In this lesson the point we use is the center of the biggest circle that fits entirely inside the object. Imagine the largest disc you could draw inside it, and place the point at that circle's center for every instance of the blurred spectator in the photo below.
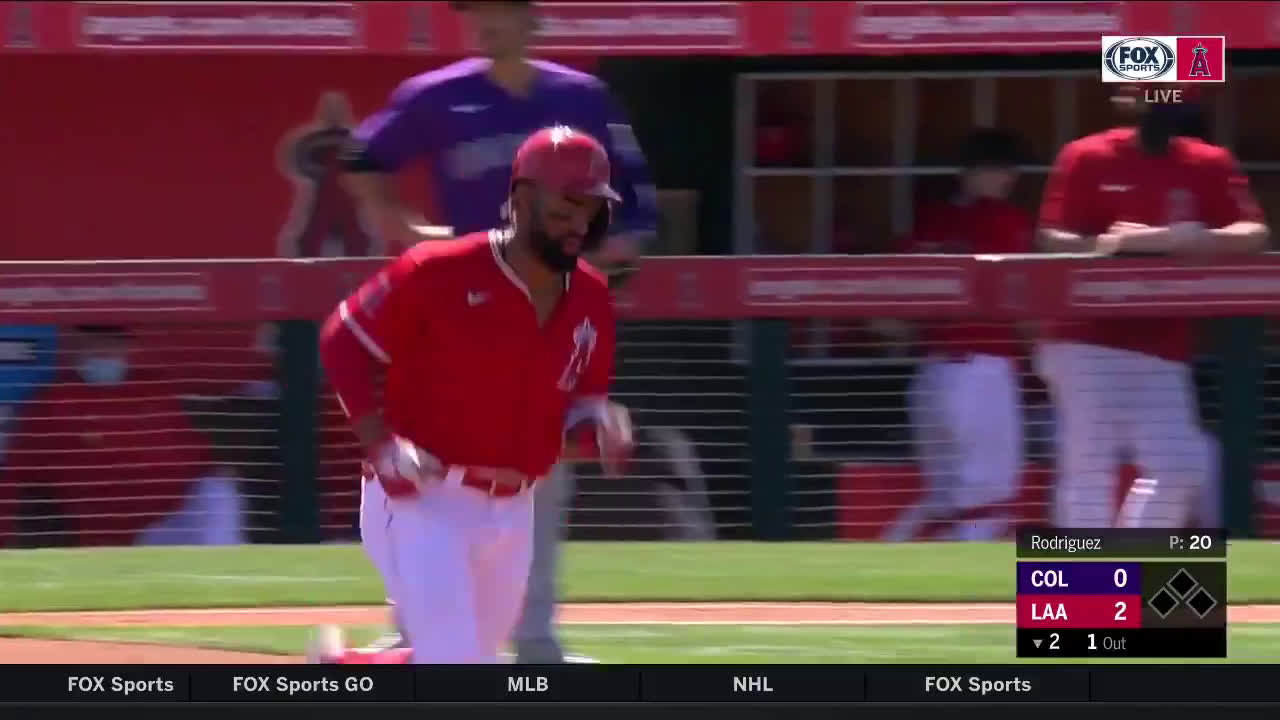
(965, 400)
(107, 456)
(26, 364)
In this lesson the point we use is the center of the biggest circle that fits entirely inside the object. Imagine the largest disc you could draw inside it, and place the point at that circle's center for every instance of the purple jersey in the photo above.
(467, 129)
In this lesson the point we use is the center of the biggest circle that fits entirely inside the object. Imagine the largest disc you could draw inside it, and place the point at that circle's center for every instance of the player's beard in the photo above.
(550, 250)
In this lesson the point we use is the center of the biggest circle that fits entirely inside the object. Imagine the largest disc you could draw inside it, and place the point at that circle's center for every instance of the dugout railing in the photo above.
(742, 427)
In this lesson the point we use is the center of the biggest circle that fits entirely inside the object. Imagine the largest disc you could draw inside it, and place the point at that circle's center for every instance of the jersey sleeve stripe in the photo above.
(365, 339)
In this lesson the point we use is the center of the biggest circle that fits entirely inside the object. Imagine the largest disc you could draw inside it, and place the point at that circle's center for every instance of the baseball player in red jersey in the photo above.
(464, 121)
(965, 398)
(1125, 384)
(496, 346)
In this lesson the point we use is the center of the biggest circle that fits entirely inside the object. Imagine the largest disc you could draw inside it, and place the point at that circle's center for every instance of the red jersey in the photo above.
(107, 461)
(471, 377)
(1106, 178)
(976, 227)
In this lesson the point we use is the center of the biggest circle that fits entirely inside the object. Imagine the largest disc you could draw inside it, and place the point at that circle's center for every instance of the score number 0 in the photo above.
(1121, 580)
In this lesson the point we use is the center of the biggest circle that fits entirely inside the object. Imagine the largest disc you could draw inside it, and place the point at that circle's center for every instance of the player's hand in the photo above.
(1112, 241)
(1130, 237)
(614, 436)
(618, 257)
(606, 435)
(403, 469)
(1107, 244)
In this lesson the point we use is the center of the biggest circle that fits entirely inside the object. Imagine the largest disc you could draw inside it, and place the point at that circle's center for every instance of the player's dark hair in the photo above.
(991, 147)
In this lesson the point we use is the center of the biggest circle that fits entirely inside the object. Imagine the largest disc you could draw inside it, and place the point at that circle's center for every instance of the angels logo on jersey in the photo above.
(584, 341)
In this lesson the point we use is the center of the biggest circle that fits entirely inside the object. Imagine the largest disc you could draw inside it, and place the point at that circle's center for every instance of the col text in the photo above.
(1079, 578)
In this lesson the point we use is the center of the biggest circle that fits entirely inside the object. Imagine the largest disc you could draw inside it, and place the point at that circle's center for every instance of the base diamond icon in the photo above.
(1182, 583)
(1163, 602)
(1202, 603)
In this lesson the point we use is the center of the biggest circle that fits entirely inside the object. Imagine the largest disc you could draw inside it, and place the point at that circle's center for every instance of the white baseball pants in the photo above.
(1110, 401)
(455, 561)
(966, 419)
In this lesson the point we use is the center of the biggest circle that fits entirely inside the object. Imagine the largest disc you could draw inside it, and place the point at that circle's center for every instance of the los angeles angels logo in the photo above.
(584, 341)
(1200, 63)
(325, 221)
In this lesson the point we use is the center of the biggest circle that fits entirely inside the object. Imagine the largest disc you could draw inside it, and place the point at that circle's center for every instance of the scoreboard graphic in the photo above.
(1121, 593)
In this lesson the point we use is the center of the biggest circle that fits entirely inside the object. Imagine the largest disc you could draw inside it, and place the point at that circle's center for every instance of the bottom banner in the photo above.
(673, 684)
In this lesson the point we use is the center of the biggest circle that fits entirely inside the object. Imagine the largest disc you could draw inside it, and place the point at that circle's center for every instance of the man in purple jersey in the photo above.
(465, 120)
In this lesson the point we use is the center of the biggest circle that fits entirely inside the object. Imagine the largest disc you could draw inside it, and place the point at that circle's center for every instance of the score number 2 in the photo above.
(1121, 580)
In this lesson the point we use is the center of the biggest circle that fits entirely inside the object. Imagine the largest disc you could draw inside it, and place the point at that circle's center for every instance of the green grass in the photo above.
(746, 644)
(249, 576)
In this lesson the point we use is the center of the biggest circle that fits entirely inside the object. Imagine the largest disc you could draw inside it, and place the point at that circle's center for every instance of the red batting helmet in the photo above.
(562, 159)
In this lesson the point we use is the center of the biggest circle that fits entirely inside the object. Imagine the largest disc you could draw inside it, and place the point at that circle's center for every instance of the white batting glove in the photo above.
(404, 470)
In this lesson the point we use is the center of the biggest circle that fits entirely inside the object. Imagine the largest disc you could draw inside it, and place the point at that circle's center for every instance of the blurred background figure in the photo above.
(965, 399)
(27, 357)
(1209, 512)
(1125, 384)
(669, 457)
(105, 455)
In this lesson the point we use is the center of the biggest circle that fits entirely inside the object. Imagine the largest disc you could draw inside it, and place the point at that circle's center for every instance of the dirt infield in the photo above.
(28, 651)
(22, 651)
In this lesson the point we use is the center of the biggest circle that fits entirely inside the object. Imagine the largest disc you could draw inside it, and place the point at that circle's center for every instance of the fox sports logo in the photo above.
(1138, 58)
